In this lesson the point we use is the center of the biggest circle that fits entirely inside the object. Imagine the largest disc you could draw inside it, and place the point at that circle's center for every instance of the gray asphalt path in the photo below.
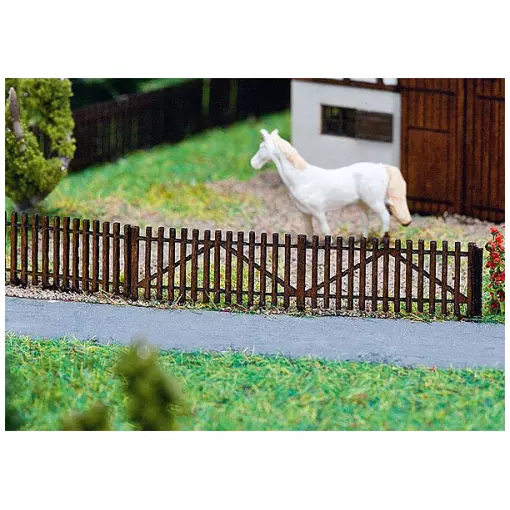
(400, 342)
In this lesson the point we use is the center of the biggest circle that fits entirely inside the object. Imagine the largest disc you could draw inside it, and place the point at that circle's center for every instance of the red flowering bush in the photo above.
(496, 266)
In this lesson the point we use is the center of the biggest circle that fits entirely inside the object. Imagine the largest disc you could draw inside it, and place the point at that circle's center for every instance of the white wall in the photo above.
(331, 151)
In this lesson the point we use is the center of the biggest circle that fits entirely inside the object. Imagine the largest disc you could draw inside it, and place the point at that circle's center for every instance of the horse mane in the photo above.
(290, 153)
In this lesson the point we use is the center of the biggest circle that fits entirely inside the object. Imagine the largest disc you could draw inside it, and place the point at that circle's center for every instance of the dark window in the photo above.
(338, 121)
(354, 123)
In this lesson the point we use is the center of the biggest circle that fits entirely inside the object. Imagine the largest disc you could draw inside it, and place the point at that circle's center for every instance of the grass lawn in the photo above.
(168, 179)
(245, 392)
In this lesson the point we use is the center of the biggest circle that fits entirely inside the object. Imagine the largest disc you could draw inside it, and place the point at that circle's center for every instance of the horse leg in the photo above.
(323, 223)
(308, 224)
(364, 219)
(380, 209)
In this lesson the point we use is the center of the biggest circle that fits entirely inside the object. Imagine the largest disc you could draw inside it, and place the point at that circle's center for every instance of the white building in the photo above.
(336, 122)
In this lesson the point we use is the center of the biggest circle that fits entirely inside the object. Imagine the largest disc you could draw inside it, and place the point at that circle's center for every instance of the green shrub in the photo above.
(95, 418)
(36, 106)
(153, 399)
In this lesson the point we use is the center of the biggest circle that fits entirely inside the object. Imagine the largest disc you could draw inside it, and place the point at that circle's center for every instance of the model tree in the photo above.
(39, 106)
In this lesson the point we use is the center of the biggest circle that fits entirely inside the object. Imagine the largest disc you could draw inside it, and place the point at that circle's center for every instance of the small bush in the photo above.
(39, 106)
(496, 266)
(153, 398)
(96, 418)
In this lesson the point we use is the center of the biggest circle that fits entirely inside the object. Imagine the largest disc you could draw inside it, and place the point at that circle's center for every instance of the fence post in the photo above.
(475, 263)
(301, 272)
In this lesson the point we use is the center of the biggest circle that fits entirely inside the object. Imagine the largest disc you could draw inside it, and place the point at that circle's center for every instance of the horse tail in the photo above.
(396, 195)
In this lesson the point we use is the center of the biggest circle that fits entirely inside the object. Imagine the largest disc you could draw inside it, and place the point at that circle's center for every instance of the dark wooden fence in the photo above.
(107, 131)
(244, 270)
(453, 146)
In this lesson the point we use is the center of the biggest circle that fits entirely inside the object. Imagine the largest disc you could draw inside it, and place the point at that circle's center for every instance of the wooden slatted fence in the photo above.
(109, 130)
(232, 269)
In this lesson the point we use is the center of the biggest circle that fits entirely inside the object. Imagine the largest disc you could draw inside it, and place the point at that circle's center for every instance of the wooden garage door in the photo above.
(485, 149)
(432, 143)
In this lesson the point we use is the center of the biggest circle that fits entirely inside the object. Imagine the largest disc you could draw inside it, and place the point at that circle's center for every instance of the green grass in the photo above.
(168, 179)
(235, 391)
(142, 85)
(160, 83)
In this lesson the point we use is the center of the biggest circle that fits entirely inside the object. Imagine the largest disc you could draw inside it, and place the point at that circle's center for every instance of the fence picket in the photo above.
(375, 263)
(45, 249)
(313, 288)
(159, 265)
(206, 285)
(135, 262)
(301, 272)
(183, 251)
(127, 261)
(228, 268)
(171, 265)
(396, 281)
(95, 256)
(217, 268)
(263, 262)
(286, 278)
(339, 257)
(65, 252)
(421, 260)
(386, 273)
(409, 275)
(251, 268)
(444, 276)
(327, 271)
(116, 258)
(239, 268)
(194, 265)
(274, 269)
(350, 274)
(362, 272)
(456, 297)
(35, 248)
(84, 256)
(24, 250)
(475, 275)
(75, 282)
(148, 258)
(14, 247)
(106, 257)
(432, 278)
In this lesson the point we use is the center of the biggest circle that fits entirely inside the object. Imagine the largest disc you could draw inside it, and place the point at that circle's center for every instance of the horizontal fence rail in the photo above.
(226, 268)
(107, 131)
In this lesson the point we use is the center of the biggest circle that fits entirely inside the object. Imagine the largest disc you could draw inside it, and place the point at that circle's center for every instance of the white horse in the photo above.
(315, 190)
